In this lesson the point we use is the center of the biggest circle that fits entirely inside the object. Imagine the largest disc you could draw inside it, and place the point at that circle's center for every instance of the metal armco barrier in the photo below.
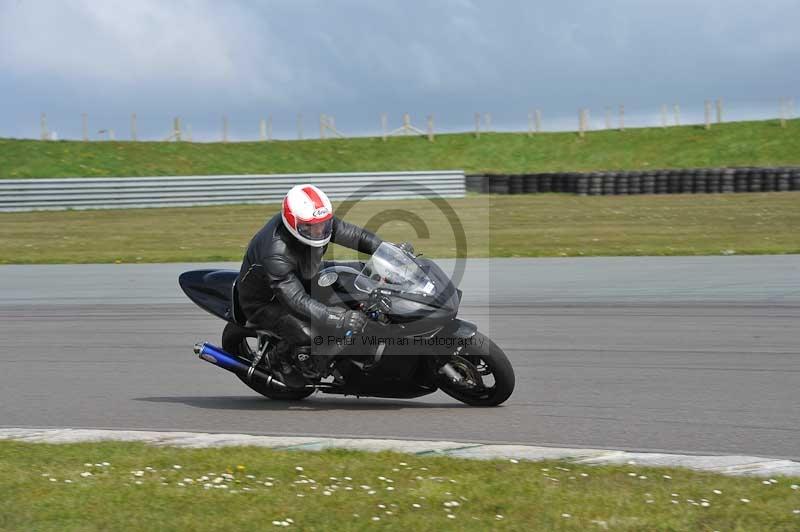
(674, 181)
(129, 192)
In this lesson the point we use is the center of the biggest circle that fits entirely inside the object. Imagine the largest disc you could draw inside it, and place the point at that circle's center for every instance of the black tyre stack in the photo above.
(595, 184)
(516, 184)
(608, 183)
(742, 177)
(582, 184)
(770, 180)
(531, 183)
(699, 182)
(728, 180)
(498, 184)
(622, 186)
(754, 180)
(636, 183)
(784, 180)
(795, 178)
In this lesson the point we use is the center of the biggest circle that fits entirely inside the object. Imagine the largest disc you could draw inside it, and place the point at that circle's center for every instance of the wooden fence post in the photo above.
(262, 130)
(383, 126)
(85, 126)
(719, 110)
(176, 128)
(708, 113)
(430, 128)
(477, 125)
(677, 112)
(783, 112)
(134, 136)
(622, 117)
(224, 128)
(608, 117)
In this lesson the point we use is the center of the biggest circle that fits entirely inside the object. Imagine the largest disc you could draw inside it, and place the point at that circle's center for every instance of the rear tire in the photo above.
(234, 342)
(485, 350)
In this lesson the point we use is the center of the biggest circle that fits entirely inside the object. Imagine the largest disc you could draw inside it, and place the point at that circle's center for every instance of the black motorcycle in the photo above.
(413, 343)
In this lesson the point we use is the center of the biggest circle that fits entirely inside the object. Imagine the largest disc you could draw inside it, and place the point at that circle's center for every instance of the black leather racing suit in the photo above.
(276, 274)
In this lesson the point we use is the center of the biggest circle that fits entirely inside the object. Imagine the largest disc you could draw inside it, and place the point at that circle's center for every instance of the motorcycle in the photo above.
(412, 346)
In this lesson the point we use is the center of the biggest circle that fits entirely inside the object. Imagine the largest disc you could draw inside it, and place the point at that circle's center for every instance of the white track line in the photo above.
(726, 465)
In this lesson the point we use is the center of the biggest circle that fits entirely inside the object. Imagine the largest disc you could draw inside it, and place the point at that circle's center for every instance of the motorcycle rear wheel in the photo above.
(483, 353)
(234, 341)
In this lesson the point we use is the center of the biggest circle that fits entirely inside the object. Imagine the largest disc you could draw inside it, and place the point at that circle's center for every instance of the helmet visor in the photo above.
(316, 231)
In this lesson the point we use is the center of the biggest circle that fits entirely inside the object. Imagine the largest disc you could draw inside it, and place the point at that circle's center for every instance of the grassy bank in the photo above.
(125, 486)
(547, 225)
(733, 144)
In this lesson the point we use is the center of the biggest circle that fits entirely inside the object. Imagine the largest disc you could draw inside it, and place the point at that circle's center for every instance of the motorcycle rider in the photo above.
(276, 275)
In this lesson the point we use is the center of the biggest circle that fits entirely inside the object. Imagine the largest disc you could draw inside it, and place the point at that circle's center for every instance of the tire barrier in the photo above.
(180, 191)
(623, 183)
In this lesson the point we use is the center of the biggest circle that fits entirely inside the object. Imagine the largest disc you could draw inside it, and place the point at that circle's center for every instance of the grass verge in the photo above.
(132, 486)
(760, 143)
(546, 225)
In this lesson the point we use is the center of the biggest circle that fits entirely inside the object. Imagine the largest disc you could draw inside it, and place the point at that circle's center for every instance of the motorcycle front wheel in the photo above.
(486, 375)
(235, 342)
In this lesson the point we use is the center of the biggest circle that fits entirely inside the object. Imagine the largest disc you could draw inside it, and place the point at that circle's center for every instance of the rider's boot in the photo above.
(289, 375)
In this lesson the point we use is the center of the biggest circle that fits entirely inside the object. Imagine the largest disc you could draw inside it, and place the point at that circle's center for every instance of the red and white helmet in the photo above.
(308, 215)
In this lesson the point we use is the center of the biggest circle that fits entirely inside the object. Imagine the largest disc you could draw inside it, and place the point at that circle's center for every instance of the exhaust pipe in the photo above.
(218, 357)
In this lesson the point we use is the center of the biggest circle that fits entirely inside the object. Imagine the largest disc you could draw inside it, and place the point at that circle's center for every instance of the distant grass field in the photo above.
(132, 487)
(541, 225)
(732, 144)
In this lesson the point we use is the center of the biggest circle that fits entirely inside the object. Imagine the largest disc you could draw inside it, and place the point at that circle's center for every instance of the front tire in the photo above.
(485, 358)
(234, 342)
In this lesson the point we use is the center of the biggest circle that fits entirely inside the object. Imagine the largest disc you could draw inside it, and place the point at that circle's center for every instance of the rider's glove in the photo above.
(349, 320)
(352, 320)
(407, 247)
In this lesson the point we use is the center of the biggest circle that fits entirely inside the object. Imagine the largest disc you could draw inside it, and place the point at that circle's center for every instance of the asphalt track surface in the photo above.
(679, 354)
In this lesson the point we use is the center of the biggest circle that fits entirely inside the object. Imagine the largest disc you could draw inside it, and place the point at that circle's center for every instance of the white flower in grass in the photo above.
(745, 500)
(795, 487)
(389, 488)
(667, 477)
(371, 492)
(53, 480)
(514, 461)
(138, 482)
(348, 478)
(98, 465)
(218, 480)
(403, 464)
(87, 465)
(298, 468)
(348, 488)
(584, 475)
(276, 523)
(766, 482)
(451, 516)
(326, 492)
(138, 473)
(566, 516)
(300, 495)
(631, 474)
(415, 505)
(642, 477)
(773, 481)
(499, 517)
(796, 512)
(376, 518)
(105, 464)
(718, 492)
(387, 512)
(181, 484)
(705, 504)
(289, 520)
(674, 495)
(673, 501)
(86, 474)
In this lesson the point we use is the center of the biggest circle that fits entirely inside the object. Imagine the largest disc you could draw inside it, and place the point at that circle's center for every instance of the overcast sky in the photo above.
(357, 59)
